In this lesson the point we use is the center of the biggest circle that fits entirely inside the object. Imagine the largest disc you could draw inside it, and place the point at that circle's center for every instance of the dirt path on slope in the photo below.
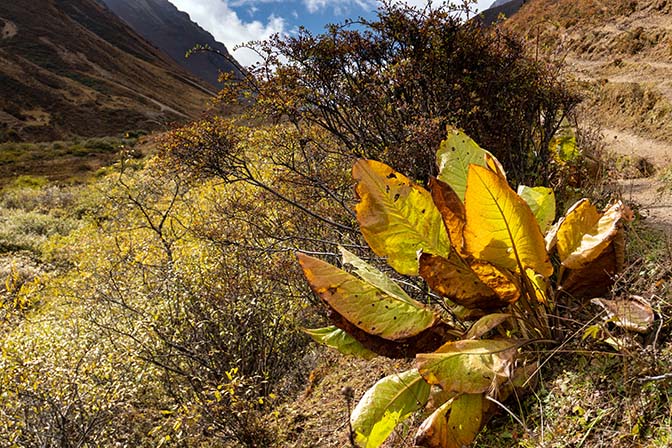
(647, 194)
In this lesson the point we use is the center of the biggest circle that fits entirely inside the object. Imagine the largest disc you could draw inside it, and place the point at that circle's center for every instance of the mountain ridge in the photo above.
(172, 31)
(84, 72)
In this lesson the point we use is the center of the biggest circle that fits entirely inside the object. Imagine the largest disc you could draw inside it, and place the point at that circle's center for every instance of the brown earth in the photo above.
(86, 73)
(620, 54)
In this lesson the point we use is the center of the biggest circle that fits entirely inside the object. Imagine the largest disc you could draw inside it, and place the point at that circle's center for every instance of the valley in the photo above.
(184, 268)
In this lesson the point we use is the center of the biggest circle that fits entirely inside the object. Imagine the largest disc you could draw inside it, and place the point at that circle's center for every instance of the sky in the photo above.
(234, 22)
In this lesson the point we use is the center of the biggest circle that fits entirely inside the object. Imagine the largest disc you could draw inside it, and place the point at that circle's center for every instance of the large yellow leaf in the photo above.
(585, 234)
(397, 217)
(455, 424)
(468, 366)
(388, 402)
(500, 227)
(579, 220)
(479, 286)
(454, 156)
(364, 305)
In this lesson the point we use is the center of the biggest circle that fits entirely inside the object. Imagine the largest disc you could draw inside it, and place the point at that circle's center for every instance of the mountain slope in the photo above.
(173, 32)
(620, 51)
(499, 3)
(500, 9)
(71, 67)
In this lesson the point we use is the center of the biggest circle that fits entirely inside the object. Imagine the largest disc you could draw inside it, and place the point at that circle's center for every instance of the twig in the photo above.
(662, 377)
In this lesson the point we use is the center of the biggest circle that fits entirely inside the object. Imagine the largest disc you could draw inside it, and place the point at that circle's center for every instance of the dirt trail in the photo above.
(649, 194)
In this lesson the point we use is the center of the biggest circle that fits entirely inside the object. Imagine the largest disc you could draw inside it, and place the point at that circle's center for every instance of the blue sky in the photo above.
(234, 22)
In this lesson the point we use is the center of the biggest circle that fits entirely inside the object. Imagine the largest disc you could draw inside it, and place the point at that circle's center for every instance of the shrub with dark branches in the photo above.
(387, 88)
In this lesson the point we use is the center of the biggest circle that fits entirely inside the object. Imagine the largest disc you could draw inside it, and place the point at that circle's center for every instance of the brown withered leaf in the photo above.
(479, 285)
(634, 314)
(452, 211)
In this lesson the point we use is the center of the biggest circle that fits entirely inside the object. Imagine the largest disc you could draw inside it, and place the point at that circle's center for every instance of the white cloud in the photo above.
(338, 6)
(223, 23)
(218, 17)
(343, 6)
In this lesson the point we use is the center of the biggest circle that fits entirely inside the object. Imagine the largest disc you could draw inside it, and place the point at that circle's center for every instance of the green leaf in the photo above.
(542, 203)
(363, 304)
(388, 402)
(374, 277)
(338, 339)
(501, 228)
(397, 217)
(453, 425)
(563, 144)
(468, 366)
(455, 155)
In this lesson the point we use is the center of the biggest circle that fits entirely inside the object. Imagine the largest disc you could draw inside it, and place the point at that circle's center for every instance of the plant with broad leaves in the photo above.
(481, 248)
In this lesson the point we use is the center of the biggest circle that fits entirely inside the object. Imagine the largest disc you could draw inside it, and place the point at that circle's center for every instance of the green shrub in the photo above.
(27, 181)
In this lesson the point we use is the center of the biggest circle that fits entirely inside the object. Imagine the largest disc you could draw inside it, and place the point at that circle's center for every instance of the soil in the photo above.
(649, 195)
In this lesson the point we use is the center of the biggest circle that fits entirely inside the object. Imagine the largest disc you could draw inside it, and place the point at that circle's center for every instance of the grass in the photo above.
(61, 160)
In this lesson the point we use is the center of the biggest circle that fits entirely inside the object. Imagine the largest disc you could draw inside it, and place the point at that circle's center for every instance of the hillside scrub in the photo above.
(173, 311)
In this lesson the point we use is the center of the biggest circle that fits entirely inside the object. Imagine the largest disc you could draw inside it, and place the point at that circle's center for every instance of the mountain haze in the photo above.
(71, 67)
(173, 32)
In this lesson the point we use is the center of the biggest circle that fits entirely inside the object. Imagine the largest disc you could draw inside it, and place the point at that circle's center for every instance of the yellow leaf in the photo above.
(540, 285)
(455, 424)
(579, 220)
(364, 305)
(500, 227)
(585, 234)
(397, 217)
(468, 366)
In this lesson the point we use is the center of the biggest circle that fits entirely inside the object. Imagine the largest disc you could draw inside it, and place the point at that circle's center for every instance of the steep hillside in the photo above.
(501, 10)
(84, 72)
(499, 3)
(620, 50)
(173, 32)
